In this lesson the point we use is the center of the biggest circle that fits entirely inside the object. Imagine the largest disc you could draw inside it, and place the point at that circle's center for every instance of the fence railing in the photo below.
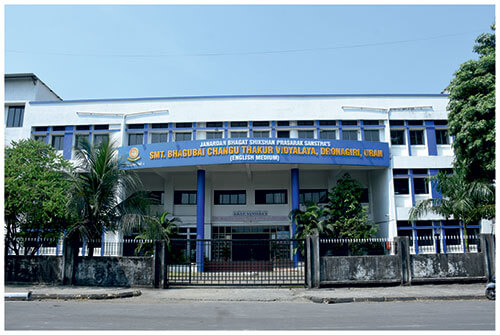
(447, 244)
(355, 247)
(184, 250)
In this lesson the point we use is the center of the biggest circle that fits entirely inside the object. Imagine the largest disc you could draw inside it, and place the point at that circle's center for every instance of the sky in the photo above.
(133, 51)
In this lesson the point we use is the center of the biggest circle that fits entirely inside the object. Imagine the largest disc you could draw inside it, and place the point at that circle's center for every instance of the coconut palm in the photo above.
(461, 200)
(156, 228)
(103, 195)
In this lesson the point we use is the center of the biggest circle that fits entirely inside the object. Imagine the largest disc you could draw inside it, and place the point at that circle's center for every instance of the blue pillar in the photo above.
(68, 142)
(431, 138)
(295, 205)
(200, 219)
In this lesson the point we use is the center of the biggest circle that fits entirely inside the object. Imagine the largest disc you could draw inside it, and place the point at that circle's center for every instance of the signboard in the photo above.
(255, 150)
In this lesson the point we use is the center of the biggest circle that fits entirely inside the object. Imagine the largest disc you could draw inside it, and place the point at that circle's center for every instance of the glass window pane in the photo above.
(328, 134)
(98, 139)
(238, 134)
(214, 134)
(372, 135)
(397, 137)
(159, 137)
(306, 133)
(263, 134)
(421, 186)
(351, 135)
(401, 186)
(417, 137)
(283, 134)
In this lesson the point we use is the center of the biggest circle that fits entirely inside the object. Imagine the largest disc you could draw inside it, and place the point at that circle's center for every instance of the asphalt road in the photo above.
(123, 315)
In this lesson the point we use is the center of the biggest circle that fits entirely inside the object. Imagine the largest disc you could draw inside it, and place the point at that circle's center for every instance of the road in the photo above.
(123, 315)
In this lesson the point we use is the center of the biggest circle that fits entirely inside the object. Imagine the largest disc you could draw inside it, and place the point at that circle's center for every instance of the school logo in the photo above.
(133, 155)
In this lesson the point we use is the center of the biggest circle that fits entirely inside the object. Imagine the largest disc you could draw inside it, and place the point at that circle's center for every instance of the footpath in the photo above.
(206, 294)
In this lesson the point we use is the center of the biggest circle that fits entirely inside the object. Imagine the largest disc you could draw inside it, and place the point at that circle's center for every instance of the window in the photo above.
(401, 186)
(417, 137)
(159, 125)
(283, 134)
(157, 197)
(420, 171)
(214, 124)
(440, 122)
(183, 125)
(396, 123)
(182, 137)
(260, 133)
(40, 138)
(135, 126)
(350, 123)
(59, 128)
(315, 196)
(372, 135)
(79, 139)
(415, 123)
(305, 123)
(327, 123)
(283, 123)
(214, 134)
(159, 137)
(135, 139)
(101, 127)
(400, 171)
(328, 134)
(98, 139)
(306, 133)
(421, 185)
(371, 122)
(230, 197)
(15, 116)
(442, 136)
(239, 124)
(58, 142)
(350, 135)
(261, 123)
(184, 197)
(270, 197)
(398, 137)
(237, 134)
(82, 127)
(364, 196)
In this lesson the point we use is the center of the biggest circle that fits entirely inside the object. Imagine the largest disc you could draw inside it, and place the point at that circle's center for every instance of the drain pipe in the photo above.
(18, 296)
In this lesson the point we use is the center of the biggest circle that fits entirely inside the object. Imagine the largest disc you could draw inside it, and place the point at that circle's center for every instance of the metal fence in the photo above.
(244, 262)
(355, 247)
(444, 244)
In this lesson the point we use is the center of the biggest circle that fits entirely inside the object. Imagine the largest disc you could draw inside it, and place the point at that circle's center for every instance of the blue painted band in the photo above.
(256, 150)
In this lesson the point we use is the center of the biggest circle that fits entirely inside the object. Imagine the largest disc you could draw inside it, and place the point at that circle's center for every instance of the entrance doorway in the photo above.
(250, 247)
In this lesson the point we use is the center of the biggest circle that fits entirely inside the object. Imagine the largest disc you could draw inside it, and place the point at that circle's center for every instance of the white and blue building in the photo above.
(235, 166)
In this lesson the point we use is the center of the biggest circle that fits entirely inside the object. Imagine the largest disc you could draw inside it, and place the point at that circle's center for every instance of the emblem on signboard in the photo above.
(133, 155)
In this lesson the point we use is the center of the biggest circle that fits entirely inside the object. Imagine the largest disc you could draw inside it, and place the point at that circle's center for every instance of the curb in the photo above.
(101, 296)
(392, 299)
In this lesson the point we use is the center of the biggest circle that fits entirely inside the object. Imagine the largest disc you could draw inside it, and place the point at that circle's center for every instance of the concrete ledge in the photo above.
(392, 299)
(101, 296)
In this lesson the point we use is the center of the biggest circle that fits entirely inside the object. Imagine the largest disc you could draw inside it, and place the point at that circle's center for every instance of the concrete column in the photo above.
(403, 249)
(295, 205)
(200, 219)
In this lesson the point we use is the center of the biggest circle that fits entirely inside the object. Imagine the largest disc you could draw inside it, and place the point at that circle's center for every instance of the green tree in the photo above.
(156, 228)
(103, 195)
(461, 199)
(342, 216)
(472, 112)
(36, 192)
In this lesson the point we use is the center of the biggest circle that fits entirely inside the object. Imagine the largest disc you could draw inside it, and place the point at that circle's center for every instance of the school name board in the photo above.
(254, 150)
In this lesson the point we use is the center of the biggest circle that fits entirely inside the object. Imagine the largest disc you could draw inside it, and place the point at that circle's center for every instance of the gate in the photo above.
(244, 262)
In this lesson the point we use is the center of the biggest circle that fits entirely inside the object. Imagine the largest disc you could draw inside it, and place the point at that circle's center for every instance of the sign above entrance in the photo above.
(255, 150)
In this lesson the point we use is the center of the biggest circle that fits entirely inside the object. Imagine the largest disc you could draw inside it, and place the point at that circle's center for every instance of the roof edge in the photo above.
(243, 96)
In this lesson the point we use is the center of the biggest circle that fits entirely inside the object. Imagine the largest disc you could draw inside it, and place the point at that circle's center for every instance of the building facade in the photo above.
(233, 167)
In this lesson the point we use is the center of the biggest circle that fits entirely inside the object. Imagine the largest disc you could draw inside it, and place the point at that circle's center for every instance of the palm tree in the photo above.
(156, 228)
(461, 200)
(103, 195)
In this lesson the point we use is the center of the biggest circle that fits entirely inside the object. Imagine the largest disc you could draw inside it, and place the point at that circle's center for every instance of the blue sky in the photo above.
(128, 51)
